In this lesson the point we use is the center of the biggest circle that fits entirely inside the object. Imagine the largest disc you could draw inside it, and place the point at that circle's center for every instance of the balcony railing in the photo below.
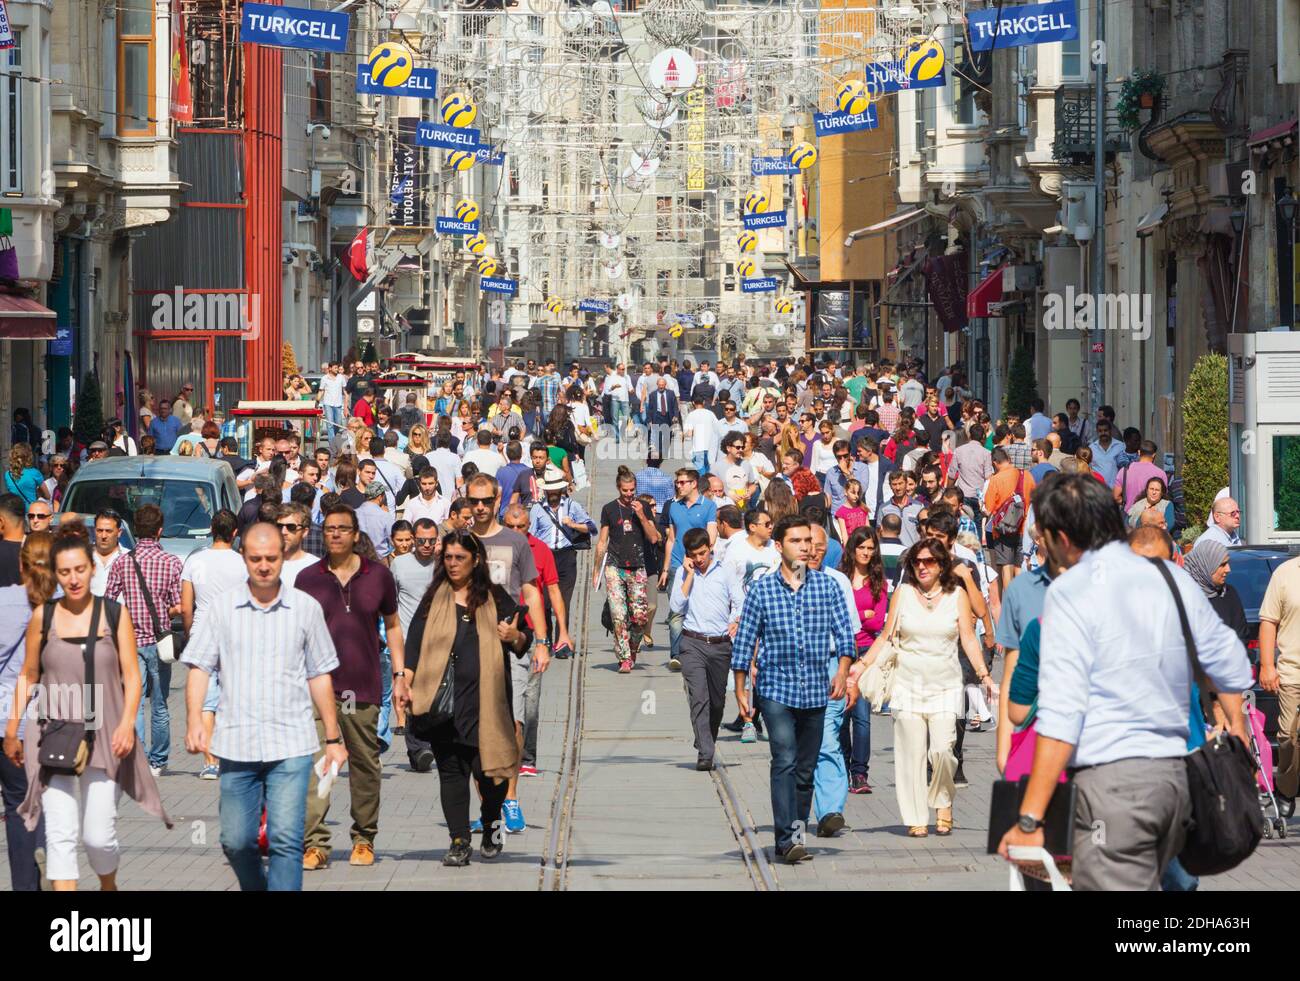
(1076, 128)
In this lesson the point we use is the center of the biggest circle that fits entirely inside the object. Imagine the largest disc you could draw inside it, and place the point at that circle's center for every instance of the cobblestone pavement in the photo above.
(643, 817)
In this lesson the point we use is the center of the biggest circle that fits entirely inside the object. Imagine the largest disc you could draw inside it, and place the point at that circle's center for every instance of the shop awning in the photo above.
(893, 223)
(22, 319)
(988, 291)
(1280, 131)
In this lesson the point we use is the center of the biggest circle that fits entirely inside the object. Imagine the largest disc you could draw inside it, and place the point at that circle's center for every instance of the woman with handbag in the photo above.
(461, 638)
(917, 652)
(80, 643)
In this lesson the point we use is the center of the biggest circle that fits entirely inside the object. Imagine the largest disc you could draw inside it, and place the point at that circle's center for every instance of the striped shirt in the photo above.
(794, 630)
(266, 656)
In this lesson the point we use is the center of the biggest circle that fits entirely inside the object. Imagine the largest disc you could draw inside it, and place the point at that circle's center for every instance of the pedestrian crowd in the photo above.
(845, 541)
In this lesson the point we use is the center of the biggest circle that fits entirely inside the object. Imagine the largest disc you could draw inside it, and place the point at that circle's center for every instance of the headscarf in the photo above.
(1203, 561)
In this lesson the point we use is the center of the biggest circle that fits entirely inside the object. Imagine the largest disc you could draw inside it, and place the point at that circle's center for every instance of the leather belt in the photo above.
(705, 637)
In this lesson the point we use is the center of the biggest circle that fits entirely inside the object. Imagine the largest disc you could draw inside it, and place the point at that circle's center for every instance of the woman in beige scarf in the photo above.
(471, 626)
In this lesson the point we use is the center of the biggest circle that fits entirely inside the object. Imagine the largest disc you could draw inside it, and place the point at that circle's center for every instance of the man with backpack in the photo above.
(1005, 502)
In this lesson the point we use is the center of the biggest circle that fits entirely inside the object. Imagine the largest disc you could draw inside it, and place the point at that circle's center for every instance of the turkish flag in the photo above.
(356, 259)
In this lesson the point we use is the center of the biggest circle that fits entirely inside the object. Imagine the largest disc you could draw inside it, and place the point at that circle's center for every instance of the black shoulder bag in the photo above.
(65, 745)
(1226, 823)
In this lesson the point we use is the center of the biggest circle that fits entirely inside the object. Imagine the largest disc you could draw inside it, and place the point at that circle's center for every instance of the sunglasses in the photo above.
(926, 560)
(290, 526)
(485, 501)
(841, 456)
(682, 483)
(38, 515)
(427, 541)
(339, 530)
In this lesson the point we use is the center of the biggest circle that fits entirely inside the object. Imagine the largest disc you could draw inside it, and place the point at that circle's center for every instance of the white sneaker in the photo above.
(156, 770)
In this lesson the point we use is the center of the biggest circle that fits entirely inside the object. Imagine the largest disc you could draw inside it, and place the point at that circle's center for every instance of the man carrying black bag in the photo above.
(1115, 692)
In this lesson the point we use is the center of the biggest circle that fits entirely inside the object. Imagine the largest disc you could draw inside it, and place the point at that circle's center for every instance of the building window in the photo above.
(1071, 59)
(11, 117)
(135, 74)
(963, 90)
(729, 281)
(320, 87)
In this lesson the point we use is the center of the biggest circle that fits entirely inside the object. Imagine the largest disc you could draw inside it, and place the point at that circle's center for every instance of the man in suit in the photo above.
(661, 412)
(875, 482)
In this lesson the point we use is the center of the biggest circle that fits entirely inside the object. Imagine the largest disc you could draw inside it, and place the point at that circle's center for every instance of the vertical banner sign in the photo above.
(406, 189)
(294, 27)
(1017, 27)
(6, 33)
(830, 325)
(945, 281)
(695, 131)
(182, 109)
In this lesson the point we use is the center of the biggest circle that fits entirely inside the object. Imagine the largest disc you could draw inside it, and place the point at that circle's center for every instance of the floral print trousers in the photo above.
(628, 608)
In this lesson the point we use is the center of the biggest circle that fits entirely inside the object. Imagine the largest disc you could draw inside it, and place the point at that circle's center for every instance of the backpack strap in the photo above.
(47, 618)
(1189, 641)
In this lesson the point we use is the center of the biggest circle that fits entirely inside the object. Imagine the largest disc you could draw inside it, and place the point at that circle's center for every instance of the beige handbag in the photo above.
(876, 684)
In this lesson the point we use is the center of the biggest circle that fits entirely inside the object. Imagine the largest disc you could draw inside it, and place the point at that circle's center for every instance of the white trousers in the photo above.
(93, 822)
(910, 731)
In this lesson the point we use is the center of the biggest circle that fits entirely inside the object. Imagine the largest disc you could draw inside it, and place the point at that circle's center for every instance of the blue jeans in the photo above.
(157, 679)
(333, 419)
(24, 876)
(795, 736)
(831, 779)
(700, 461)
(855, 738)
(386, 702)
(1178, 879)
(618, 412)
(281, 787)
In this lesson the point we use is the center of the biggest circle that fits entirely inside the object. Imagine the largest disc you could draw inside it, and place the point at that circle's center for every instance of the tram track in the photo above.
(555, 858)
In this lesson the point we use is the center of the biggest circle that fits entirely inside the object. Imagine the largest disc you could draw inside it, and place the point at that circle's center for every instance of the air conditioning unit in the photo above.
(1017, 279)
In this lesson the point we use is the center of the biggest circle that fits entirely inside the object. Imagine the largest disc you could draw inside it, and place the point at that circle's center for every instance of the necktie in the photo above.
(663, 403)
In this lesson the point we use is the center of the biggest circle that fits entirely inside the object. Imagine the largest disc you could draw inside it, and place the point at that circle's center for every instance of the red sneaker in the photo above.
(624, 667)
(525, 770)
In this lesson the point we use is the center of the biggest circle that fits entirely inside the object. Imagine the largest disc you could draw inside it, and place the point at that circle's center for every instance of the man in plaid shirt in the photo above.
(792, 619)
(161, 572)
(548, 385)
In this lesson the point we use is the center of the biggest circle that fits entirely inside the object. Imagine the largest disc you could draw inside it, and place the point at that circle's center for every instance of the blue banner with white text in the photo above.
(758, 284)
(835, 123)
(423, 84)
(1015, 27)
(294, 27)
(770, 219)
(447, 137)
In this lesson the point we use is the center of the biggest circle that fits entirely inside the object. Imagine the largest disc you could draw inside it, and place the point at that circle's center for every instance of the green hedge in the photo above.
(1022, 387)
(88, 423)
(1205, 434)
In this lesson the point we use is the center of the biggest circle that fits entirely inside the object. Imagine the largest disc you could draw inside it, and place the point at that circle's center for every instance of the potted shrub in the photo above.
(1139, 92)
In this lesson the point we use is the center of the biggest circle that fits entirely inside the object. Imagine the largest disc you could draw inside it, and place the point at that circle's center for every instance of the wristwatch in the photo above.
(1028, 823)
(401, 674)
(334, 742)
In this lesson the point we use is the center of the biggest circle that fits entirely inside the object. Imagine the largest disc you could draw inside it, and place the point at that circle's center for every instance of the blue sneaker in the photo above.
(210, 771)
(476, 825)
(514, 815)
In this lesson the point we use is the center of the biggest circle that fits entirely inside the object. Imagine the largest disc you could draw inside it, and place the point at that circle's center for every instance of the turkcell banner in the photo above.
(835, 123)
(447, 137)
(1015, 27)
(406, 208)
(423, 84)
(884, 77)
(764, 166)
(770, 219)
(759, 284)
(491, 284)
(685, 318)
(454, 226)
(486, 155)
(594, 306)
(294, 27)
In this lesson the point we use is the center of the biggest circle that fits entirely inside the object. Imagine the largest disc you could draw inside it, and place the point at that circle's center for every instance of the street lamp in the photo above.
(1287, 206)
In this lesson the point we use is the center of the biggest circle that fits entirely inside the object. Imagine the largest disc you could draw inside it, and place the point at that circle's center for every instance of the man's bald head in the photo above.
(516, 518)
(263, 549)
(1055, 439)
(1151, 542)
(1227, 514)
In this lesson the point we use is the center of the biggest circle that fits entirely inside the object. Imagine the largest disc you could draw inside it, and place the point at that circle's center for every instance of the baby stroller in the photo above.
(1263, 752)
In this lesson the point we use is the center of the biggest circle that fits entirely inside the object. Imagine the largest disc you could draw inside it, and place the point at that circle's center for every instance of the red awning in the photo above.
(22, 319)
(1272, 133)
(988, 291)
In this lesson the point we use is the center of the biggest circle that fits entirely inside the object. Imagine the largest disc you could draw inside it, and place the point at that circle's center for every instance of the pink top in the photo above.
(853, 518)
(873, 611)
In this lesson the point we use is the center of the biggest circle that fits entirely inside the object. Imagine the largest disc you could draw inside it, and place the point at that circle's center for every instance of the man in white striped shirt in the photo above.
(275, 656)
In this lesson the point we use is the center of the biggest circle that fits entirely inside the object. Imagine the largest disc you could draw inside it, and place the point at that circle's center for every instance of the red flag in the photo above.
(182, 109)
(356, 260)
